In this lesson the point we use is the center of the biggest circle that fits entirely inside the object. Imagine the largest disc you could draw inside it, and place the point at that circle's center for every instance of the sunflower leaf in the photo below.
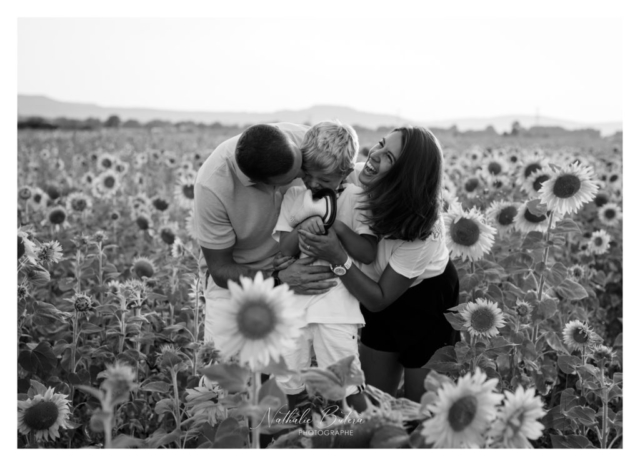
(231, 377)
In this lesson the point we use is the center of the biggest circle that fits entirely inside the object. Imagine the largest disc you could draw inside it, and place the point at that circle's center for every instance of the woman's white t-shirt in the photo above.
(420, 258)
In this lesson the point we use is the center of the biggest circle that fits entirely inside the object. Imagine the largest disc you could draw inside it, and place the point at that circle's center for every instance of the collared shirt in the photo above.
(231, 210)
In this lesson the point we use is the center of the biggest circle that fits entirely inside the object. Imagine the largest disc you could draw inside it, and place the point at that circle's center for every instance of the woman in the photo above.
(404, 294)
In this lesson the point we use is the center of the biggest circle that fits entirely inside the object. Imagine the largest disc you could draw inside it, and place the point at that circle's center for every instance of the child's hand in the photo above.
(313, 225)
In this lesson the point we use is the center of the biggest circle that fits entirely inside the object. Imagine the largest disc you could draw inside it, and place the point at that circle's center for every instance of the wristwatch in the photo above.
(340, 270)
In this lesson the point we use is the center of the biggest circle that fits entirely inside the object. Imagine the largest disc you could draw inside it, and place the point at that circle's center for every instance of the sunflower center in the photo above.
(41, 416)
(160, 204)
(143, 223)
(531, 168)
(494, 168)
(531, 218)
(506, 215)
(610, 214)
(482, 320)
(79, 205)
(462, 412)
(106, 163)
(471, 184)
(537, 184)
(143, 269)
(465, 232)
(168, 236)
(601, 199)
(37, 198)
(566, 186)
(57, 216)
(82, 304)
(613, 178)
(577, 272)
(598, 241)
(109, 182)
(187, 190)
(581, 336)
(256, 320)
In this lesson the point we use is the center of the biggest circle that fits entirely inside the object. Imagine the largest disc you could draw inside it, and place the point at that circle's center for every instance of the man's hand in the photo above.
(281, 262)
(312, 225)
(307, 279)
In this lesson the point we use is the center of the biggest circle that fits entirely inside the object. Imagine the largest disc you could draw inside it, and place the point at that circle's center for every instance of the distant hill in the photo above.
(42, 106)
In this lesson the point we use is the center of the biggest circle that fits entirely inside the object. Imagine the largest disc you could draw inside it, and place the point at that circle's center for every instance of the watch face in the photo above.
(339, 270)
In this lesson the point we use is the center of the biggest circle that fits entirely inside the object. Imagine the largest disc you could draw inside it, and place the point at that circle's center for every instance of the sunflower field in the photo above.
(111, 306)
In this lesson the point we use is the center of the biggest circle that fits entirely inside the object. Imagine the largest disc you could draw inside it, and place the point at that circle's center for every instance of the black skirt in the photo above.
(414, 325)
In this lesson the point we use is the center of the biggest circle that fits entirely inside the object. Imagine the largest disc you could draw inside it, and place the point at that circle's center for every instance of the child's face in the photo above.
(316, 180)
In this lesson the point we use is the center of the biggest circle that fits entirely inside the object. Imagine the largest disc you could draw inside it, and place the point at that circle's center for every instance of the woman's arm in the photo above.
(361, 247)
(375, 296)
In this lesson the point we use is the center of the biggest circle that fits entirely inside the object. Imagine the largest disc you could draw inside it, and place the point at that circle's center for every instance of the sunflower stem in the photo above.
(473, 272)
(176, 400)
(605, 407)
(99, 267)
(255, 388)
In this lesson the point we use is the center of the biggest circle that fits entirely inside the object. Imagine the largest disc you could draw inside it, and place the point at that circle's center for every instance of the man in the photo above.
(238, 193)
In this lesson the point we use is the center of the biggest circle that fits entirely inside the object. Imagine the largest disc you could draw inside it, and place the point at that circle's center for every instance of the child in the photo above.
(332, 318)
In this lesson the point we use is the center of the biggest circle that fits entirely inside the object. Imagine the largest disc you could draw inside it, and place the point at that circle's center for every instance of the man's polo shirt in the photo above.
(230, 210)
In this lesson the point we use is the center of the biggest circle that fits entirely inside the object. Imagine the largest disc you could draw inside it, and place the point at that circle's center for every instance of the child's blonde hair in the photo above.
(330, 147)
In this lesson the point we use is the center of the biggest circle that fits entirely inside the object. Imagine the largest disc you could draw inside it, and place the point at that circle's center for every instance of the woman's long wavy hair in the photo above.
(404, 203)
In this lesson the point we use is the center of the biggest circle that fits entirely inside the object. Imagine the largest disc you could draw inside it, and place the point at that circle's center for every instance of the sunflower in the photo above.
(168, 233)
(494, 166)
(569, 189)
(184, 191)
(143, 267)
(88, 178)
(610, 214)
(527, 221)
(140, 202)
(601, 199)
(177, 248)
(119, 380)
(599, 243)
(577, 335)
(533, 183)
(25, 193)
(577, 272)
(531, 164)
(502, 214)
(462, 412)
(114, 216)
(44, 415)
(499, 182)
(448, 187)
(482, 318)
(602, 354)
(186, 165)
(50, 252)
(207, 354)
(26, 247)
(140, 160)
(142, 219)
(58, 165)
(466, 233)
(57, 216)
(472, 186)
(523, 310)
(24, 290)
(160, 203)
(517, 423)
(38, 199)
(99, 236)
(121, 167)
(258, 322)
(79, 202)
(82, 303)
(106, 161)
(106, 184)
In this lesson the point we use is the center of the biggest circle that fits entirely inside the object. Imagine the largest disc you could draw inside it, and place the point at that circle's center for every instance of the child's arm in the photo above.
(289, 239)
(362, 248)
(289, 242)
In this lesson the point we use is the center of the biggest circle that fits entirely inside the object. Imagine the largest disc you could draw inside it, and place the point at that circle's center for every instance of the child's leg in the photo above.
(333, 342)
(297, 358)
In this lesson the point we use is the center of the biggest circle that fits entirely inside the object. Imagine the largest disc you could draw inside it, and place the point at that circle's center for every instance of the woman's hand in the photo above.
(325, 247)
(281, 261)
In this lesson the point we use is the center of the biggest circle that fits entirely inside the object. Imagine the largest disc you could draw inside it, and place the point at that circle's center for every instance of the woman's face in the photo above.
(382, 157)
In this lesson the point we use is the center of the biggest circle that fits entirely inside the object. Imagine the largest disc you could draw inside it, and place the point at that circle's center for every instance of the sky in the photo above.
(419, 69)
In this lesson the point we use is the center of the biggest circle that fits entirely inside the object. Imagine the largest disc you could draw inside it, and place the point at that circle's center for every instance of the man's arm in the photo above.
(223, 268)
(362, 248)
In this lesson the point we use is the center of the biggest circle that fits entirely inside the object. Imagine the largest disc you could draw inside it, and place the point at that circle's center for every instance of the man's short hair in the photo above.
(264, 152)
(330, 147)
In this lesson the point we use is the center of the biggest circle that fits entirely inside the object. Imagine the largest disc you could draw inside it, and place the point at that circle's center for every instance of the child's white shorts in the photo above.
(330, 342)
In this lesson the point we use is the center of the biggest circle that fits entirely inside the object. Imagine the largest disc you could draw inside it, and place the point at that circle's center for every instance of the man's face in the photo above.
(295, 172)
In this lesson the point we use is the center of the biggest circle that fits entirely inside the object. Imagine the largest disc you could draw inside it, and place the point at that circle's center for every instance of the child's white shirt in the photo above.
(336, 306)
